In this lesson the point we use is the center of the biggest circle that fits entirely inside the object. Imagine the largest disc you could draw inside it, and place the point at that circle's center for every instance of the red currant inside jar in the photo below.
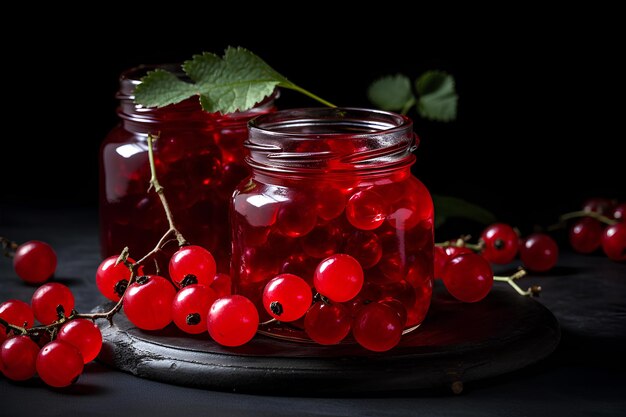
(199, 162)
(330, 186)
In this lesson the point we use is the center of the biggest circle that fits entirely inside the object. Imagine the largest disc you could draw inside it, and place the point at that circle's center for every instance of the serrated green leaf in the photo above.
(446, 207)
(235, 82)
(160, 88)
(391, 93)
(437, 98)
(238, 81)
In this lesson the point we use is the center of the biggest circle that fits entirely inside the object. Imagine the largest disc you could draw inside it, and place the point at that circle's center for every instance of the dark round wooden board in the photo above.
(456, 344)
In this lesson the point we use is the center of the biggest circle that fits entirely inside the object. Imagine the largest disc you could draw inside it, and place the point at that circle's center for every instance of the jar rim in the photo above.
(330, 140)
(380, 122)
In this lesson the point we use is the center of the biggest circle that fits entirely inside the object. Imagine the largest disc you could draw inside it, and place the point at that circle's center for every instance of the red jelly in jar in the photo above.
(199, 162)
(334, 184)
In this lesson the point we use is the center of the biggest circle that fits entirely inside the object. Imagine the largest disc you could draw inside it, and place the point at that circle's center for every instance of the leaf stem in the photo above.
(407, 106)
(307, 93)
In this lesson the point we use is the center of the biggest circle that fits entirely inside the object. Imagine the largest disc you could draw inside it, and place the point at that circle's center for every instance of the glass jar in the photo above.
(199, 161)
(328, 181)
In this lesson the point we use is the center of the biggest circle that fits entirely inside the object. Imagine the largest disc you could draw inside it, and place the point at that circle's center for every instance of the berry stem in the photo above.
(8, 246)
(462, 242)
(154, 183)
(531, 292)
(123, 258)
(580, 213)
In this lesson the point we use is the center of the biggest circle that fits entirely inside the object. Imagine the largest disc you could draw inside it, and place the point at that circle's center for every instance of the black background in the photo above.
(539, 115)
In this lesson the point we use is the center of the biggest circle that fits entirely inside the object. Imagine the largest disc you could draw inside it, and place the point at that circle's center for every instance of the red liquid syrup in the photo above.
(302, 205)
(199, 162)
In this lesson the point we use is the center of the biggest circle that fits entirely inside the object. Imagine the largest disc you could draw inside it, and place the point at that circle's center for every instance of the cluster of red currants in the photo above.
(58, 348)
(200, 301)
(466, 270)
(601, 223)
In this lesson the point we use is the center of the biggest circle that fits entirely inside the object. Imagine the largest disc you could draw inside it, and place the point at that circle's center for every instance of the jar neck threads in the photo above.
(330, 141)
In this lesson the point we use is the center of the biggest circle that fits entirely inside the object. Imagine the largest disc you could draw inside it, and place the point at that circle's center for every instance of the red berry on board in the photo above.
(51, 299)
(15, 312)
(619, 213)
(287, 297)
(614, 242)
(468, 277)
(339, 277)
(59, 364)
(84, 335)
(327, 324)
(599, 205)
(148, 302)
(539, 252)
(18, 356)
(191, 306)
(377, 327)
(232, 320)
(34, 262)
(585, 235)
(112, 279)
(192, 261)
(501, 243)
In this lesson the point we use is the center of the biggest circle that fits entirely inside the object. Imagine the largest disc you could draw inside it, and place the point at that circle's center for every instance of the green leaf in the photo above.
(238, 81)
(235, 82)
(446, 207)
(437, 96)
(391, 93)
(160, 88)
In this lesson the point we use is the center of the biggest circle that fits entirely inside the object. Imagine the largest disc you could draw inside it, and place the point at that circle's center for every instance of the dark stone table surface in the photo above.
(584, 376)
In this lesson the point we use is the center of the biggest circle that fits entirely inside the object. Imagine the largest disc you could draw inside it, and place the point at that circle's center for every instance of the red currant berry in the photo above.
(191, 306)
(148, 302)
(366, 210)
(614, 242)
(599, 205)
(539, 252)
(83, 335)
(287, 297)
(377, 327)
(59, 364)
(339, 277)
(192, 260)
(322, 241)
(398, 307)
(18, 355)
(112, 279)
(331, 202)
(222, 285)
(15, 312)
(365, 247)
(296, 218)
(50, 300)
(327, 324)
(585, 235)
(35, 262)
(468, 277)
(619, 213)
(501, 243)
(232, 320)
(454, 251)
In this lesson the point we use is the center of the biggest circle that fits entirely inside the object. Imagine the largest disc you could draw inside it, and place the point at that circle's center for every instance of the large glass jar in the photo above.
(199, 158)
(334, 181)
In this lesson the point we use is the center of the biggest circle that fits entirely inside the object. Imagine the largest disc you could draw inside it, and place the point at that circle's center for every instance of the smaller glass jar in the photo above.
(199, 162)
(328, 181)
